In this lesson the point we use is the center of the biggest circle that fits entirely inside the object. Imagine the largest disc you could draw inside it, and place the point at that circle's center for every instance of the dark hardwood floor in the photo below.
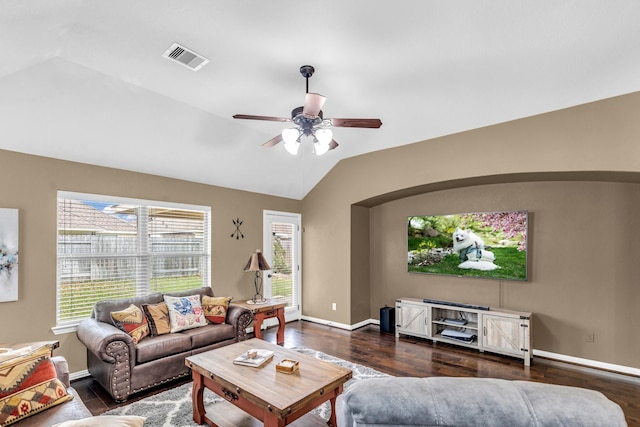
(421, 358)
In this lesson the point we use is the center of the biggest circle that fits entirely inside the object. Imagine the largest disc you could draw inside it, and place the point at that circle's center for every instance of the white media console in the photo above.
(482, 328)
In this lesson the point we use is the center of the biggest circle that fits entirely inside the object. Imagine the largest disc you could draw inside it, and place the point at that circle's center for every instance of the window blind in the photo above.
(113, 248)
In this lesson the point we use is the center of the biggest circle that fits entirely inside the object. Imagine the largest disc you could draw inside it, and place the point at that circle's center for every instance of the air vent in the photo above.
(185, 56)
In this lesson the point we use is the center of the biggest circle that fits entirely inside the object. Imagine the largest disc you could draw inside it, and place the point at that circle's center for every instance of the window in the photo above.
(110, 247)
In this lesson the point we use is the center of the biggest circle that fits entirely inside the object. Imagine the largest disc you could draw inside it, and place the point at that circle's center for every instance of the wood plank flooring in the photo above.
(415, 357)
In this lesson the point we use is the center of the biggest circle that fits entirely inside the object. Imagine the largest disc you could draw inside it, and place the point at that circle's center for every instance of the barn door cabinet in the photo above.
(494, 330)
(411, 319)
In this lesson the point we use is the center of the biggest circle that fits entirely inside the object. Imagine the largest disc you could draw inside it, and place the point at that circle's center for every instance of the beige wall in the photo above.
(353, 223)
(30, 185)
(582, 277)
(577, 170)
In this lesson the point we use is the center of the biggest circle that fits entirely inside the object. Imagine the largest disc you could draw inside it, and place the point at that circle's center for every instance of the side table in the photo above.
(267, 310)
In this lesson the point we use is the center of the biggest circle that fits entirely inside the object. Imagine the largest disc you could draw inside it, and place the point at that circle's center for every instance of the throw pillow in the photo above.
(185, 312)
(215, 308)
(132, 321)
(158, 318)
(106, 421)
(29, 385)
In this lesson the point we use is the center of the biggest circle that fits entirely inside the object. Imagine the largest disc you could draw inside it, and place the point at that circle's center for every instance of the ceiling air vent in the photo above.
(185, 56)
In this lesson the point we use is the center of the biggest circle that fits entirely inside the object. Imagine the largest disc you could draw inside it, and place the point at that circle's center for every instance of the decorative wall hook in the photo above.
(237, 233)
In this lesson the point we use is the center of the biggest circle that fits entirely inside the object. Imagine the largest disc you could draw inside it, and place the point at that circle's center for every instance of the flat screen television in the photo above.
(489, 244)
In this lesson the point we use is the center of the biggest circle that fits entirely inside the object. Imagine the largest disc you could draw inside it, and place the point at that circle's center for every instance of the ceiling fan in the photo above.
(309, 121)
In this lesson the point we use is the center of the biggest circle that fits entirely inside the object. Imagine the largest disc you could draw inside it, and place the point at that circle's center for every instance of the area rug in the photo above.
(172, 408)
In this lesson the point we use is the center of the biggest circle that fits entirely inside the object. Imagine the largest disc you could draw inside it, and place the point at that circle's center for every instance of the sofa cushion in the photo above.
(467, 402)
(102, 310)
(204, 290)
(29, 384)
(158, 318)
(185, 312)
(215, 308)
(209, 334)
(161, 346)
(132, 321)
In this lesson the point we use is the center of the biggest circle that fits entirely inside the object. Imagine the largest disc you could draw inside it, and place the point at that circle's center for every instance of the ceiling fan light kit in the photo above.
(309, 121)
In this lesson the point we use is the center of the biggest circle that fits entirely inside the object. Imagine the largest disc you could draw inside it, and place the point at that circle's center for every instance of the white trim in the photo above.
(588, 362)
(338, 325)
(293, 312)
(64, 329)
(79, 375)
(627, 370)
(292, 215)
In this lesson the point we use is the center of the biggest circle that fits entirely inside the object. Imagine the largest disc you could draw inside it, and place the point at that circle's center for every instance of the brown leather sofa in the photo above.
(74, 409)
(124, 368)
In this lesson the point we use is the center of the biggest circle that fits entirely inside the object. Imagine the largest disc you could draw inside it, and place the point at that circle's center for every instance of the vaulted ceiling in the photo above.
(85, 80)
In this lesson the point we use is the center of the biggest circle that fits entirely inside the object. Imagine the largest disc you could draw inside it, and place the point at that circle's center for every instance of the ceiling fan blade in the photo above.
(356, 123)
(268, 118)
(333, 144)
(273, 141)
(313, 103)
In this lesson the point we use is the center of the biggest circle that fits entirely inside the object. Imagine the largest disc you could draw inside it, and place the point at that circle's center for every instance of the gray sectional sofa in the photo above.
(124, 368)
(467, 402)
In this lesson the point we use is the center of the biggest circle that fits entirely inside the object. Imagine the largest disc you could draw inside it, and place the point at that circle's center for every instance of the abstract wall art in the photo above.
(8, 254)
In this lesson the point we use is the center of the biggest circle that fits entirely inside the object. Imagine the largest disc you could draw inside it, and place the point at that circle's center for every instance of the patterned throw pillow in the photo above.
(215, 308)
(158, 318)
(132, 321)
(185, 312)
(29, 385)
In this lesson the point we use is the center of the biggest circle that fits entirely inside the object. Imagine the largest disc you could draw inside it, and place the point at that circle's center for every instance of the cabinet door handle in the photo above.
(484, 331)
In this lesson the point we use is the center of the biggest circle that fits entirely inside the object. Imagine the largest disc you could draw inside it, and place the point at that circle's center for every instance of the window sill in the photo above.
(65, 329)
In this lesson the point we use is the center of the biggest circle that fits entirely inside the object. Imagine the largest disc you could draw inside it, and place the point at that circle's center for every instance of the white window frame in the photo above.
(71, 326)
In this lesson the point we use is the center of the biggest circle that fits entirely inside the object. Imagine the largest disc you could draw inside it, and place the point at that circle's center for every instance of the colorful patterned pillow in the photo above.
(29, 385)
(158, 318)
(185, 312)
(215, 308)
(132, 321)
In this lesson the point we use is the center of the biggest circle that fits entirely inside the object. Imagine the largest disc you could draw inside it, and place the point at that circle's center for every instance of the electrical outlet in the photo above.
(333, 306)
(589, 337)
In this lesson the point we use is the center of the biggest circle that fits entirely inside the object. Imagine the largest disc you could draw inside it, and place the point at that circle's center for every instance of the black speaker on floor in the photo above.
(388, 319)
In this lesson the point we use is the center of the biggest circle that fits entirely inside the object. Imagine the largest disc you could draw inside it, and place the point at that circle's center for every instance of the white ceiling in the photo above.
(84, 80)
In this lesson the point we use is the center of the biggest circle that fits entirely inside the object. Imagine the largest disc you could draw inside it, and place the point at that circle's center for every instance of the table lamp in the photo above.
(257, 264)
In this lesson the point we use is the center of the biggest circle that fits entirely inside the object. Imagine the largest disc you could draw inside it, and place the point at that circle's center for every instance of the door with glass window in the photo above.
(282, 251)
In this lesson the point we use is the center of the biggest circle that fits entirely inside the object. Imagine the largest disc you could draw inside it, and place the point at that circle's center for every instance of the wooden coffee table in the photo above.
(263, 396)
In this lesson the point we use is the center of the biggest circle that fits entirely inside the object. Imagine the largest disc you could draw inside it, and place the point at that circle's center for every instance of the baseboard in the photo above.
(588, 362)
(78, 375)
(340, 325)
(627, 370)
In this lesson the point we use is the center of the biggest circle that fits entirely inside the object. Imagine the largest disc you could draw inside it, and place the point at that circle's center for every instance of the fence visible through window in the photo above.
(282, 277)
(110, 249)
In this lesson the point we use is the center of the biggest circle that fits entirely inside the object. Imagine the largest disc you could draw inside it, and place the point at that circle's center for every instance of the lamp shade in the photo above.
(292, 147)
(257, 262)
(324, 136)
(291, 138)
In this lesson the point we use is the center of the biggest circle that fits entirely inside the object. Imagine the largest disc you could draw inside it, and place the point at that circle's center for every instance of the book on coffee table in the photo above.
(254, 358)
